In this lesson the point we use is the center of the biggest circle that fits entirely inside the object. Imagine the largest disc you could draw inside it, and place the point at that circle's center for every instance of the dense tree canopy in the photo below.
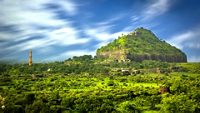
(86, 84)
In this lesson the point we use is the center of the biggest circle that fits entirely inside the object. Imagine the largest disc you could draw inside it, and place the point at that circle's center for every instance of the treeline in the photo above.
(77, 65)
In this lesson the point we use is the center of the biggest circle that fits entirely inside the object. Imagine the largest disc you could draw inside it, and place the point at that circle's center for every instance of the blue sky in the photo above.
(57, 30)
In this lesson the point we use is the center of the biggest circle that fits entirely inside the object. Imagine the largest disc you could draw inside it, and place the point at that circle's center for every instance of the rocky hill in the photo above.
(140, 45)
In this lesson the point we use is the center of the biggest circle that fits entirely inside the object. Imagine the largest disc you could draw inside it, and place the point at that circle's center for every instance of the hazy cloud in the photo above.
(102, 33)
(189, 40)
(25, 15)
(155, 8)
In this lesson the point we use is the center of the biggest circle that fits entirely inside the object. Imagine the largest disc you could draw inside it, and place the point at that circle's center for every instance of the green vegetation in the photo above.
(111, 82)
(141, 45)
(86, 85)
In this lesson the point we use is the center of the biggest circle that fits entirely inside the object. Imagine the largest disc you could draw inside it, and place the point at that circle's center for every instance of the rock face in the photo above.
(140, 45)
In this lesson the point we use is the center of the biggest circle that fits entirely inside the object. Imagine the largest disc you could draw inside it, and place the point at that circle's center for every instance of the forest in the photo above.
(88, 85)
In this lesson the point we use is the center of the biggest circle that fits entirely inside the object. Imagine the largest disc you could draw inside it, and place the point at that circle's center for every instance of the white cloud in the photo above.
(99, 35)
(63, 36)
(103, 34)
(111, 19)
(26, 13)
(46, 50)
(178, 40)
(194, 45)
(22, 12)
(4, 36)
(189, 39)
(104, 43)
(68, 6)
(155, 8)
(67, 36)
(135, 18)
(36, 43)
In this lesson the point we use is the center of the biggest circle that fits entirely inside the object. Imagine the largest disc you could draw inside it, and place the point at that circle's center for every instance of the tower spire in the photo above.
(30, 58)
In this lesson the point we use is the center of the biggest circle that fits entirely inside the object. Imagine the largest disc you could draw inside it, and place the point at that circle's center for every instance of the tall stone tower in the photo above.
(30, 58)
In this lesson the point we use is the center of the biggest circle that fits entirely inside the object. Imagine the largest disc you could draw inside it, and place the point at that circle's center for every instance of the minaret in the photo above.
(30, 58)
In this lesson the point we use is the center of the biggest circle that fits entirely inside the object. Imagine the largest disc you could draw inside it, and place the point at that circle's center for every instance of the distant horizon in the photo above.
(58, 30)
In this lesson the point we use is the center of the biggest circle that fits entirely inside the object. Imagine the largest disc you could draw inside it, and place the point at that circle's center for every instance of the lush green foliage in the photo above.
(142, 45)
(84, 84)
